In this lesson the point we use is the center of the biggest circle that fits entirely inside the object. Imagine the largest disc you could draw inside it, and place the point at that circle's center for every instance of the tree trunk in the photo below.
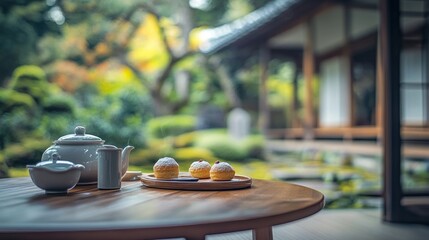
(225, 81)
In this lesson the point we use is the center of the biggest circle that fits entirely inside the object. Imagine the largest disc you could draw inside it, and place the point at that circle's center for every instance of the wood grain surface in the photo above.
(138, 212)
(238, 182)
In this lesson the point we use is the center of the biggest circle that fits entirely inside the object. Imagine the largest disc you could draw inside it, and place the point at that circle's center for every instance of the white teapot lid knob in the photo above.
(79, 130)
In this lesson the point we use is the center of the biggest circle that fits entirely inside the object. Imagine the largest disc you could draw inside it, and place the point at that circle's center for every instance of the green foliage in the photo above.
(4, 171)
(31, 109)
(119, 118)
(155, 150)
(18, 172)
(53, 126)
(30, 72)
(31, 80)
(222, 146)
(210, 145)
(170, 125)
(255, 169)
(10, 99)
(17, 125)
(22, 24)
(29, 151)
(59, 104)
(184, 140)
(191, 154)
(254, 146)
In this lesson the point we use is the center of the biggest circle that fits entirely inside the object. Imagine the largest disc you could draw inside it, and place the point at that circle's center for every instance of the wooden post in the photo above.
(390, 43)
(264, 112)
(379, 118)
(294, 108)
(308, 67)
(426, 60)
(348, 60)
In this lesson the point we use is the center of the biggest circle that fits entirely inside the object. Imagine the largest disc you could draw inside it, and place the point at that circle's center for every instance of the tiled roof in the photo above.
(215, 39)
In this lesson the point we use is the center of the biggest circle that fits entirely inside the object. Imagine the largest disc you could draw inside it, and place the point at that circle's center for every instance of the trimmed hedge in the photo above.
(59, 104)
(210, 145)
(166, 126)
(31, 80)
(185, 140)
(222, 146)
(148, 156)
(10, 99)
(254, 146)
(192, 154)
(4, 171)
(27, 152)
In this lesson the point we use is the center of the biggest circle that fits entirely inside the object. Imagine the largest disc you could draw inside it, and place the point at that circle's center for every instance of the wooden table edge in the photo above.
(189, 231)
(135, 232)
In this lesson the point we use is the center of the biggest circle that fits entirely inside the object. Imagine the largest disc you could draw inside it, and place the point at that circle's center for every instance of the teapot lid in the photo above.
(55, 164)
(79, 137)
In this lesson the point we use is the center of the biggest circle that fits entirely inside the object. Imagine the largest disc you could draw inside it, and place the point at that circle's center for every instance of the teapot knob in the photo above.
(79, 130)
(55, 157)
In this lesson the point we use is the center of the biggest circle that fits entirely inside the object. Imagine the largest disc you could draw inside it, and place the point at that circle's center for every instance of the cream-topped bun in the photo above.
(221, 171)
(166, 168)
(200, 169)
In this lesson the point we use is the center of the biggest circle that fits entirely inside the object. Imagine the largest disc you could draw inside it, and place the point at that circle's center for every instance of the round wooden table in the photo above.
(138, 212)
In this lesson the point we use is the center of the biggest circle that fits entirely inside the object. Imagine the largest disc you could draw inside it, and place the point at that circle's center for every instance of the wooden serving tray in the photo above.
(238, 182)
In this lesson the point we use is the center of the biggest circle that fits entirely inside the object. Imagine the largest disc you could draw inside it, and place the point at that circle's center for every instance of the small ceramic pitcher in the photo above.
(109, 168)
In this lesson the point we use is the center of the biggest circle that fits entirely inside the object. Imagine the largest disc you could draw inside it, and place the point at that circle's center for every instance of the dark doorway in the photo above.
(364, 87)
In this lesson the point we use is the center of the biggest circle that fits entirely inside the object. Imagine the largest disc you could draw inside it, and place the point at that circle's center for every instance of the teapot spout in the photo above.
(125, 156)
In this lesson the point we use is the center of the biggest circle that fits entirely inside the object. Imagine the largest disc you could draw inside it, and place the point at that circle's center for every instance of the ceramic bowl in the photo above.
(55, 177)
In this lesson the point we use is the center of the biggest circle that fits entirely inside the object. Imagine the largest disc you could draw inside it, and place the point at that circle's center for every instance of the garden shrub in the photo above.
(192, 154)
(4, 171)
(222, 146)
(27, 152)
(31, 80)
(10, 99)
(155, 150)
(28, 71)
(185, 140)
(254, 146)
(53, 126)
(170, 125)
(59, 104)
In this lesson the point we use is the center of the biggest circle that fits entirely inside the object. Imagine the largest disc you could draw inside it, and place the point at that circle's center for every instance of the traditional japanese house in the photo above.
(370, 59)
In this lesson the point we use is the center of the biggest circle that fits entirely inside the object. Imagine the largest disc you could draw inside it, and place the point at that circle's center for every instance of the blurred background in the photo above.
(283, 90)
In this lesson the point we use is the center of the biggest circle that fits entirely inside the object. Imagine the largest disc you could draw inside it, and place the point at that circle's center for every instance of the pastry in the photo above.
(166, 168)
(221, 171)
(200, 169)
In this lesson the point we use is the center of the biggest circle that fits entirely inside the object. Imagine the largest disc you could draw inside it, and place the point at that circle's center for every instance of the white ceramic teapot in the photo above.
(81, 148)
